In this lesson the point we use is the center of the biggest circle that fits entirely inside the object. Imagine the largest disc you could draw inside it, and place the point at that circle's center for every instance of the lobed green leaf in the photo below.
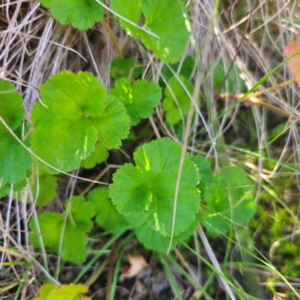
(149, 187)
(76, 115)
(229, 201)
(17, 187)
(82, 14)
(11, 110)
(183, 68)
(53, 226)
(45, 188)
(106, 214)
(166, 20)
(205, 172)
(129, 10)
(50, 224)
(153, 239)
(78, 206)
(177, 102)
(71, 291)
(125, 68)
(97, 157)
(113, 125)
(15, 160)
(139, 98)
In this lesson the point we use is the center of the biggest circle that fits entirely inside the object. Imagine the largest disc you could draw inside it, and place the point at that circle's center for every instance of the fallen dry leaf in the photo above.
(294, 63)
(137, 263)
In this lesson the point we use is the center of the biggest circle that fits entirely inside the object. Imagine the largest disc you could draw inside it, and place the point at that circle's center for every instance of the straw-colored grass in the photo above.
(251, 34)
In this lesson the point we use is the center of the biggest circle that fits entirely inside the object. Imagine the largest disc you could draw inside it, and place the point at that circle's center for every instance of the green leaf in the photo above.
(228, 200)
(78, 206)
(82, 14)
(15, 160)
(74, 244)
(106, 214)
(125, 68)
(64, 131)
(97, 157)
(153, 239)
(190, 230)
(11, 110)
(139, 98)
(74, 238)
(149, 188)
(233, 84)
(165, 19)
(177, 102)
(129, 10)
(205, 172)
(177, 129)
(46, 188)
(4, 190)
(17, 187)
(132, 197)
(45, 290)
(50, 224)
(184, 69)
(71, 291)
(113, 125)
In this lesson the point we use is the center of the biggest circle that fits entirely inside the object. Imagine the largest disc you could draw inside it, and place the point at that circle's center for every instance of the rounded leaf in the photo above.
(153, 240)
(139, 98)
(78, 206)
(125, 68)
(70, 233)
(177, 102)
(97, 157)
(81, 13)
(113, 125)
(167, 19)
(128, 10)
(149, 188)
(64, 133)
(11, 110)
(15, 160)
(46, 188)
(106, 214)
(229, 201)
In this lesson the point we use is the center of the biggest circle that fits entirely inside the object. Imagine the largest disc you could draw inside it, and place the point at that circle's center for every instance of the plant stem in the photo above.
(96, 275)
(111, 34)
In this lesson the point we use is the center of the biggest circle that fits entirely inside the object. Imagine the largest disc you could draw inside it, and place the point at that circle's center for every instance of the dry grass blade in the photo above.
(248, 36)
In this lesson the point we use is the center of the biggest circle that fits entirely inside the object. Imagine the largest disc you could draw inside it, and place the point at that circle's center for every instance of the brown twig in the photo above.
(254, 100)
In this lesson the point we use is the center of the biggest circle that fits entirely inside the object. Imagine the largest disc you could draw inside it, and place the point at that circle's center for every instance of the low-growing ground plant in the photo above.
(126, 130)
